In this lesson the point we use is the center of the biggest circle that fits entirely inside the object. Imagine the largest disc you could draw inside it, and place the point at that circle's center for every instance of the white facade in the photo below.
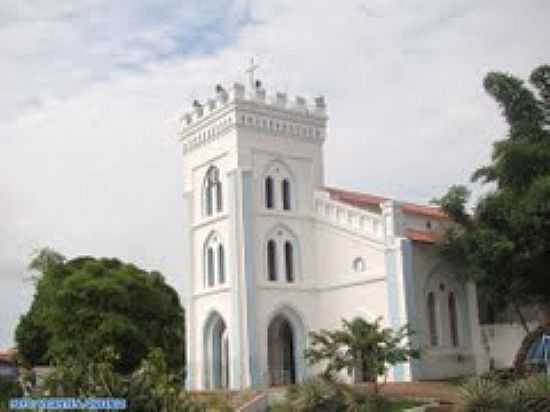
(272, 254)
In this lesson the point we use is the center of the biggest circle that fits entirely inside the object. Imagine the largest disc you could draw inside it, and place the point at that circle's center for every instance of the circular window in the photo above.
(359, 264)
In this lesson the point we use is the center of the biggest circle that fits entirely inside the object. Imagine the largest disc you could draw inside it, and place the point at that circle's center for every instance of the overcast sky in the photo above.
(91, 89)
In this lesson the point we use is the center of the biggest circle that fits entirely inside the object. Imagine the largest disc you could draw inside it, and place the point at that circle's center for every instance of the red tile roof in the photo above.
(355, 198)
(422, 236)
(359, 199)
(6, 357)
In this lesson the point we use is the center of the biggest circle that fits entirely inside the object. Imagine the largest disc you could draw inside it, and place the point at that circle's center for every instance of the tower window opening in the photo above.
(210, 267)
(269, 192)
(432, 320)
(289, 262)
(272, 260)
(286, 194)
(221, 264)
(212, 192)
(453, 320)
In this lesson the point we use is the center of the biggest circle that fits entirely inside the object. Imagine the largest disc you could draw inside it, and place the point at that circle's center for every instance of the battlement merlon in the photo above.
(295, 115)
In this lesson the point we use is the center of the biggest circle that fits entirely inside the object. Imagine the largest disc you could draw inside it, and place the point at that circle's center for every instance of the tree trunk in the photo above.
(521, 318)
(530, 338)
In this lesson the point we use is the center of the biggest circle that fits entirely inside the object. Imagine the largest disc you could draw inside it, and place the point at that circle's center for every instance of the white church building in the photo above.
(272, 253)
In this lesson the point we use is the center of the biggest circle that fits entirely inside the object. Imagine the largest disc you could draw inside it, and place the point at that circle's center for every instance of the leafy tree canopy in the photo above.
(504, 245)
(85, 304)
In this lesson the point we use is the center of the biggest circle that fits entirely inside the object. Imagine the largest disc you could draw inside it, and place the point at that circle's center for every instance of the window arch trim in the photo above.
(281, 235)
(285, 173)
(214, 261)
(443, 284)
(212, 192)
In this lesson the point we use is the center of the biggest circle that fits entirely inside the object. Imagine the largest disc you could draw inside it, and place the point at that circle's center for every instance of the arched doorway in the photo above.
(281, 344)
(216, 353)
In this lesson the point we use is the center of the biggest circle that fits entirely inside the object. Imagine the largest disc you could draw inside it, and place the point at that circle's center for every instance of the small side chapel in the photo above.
(272, 253)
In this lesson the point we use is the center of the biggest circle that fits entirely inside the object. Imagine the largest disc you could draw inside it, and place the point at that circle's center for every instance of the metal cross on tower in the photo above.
(250, 71)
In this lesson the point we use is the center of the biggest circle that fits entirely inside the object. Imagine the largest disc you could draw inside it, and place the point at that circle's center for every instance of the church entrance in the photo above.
(280, 347)
(216, 362)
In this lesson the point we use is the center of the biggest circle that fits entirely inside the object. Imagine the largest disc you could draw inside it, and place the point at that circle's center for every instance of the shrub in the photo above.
(361, 400)
(525, 395)
(482, 395)
(530, 395)
(151, 388)
(8, 389)
(320, 394)
(315, 394)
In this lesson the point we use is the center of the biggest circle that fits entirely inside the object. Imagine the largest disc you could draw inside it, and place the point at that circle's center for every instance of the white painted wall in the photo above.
(502, 341)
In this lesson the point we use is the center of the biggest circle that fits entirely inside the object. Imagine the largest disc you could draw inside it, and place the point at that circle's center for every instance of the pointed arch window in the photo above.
(432, 320)
(210, 270)
(453, 320)
(269, 193)
(214, 261)
(272, 260)
(289, 262)
(212, 192)
(285, 187)
(279, 187)
(221, 264)
(282, 256)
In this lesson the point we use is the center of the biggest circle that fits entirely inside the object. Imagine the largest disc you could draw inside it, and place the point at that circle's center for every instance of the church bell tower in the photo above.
(252, 162)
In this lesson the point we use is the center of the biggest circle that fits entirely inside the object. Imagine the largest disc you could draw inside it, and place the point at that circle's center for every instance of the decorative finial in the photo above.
(251, 69)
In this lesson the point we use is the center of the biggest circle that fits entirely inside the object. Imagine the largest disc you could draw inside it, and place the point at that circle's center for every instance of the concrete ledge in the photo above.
(256, 404)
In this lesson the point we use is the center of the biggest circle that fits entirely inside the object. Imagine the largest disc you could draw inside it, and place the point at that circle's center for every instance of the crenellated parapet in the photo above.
(253, 108)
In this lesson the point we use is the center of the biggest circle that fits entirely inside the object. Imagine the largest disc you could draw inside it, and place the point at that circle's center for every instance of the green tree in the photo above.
(85, 304)
(152, 387)
(366, 347)
(504, 245)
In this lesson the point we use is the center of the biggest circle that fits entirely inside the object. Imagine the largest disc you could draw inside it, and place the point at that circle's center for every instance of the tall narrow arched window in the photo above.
(453, 320)
(210, 267)
(212, 192)
(269, 192)
(221, 264)
(214, 261)
(289, 262)
(432, 320)
(219, 197)
(272, 260)
(208, 210)
(285, 186)
(279, 186)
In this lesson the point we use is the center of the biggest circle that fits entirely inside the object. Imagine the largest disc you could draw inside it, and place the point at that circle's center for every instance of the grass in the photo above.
(400, 406)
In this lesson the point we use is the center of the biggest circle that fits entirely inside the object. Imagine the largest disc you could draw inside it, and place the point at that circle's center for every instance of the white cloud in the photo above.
(89, 161)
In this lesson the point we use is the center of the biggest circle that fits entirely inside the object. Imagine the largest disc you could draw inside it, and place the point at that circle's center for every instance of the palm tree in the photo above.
(368, 348)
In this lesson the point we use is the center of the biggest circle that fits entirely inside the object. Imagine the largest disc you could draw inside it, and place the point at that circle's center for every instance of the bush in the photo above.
(361, 400)
(530, 395)
(151, 388)
(320, 394)
(8, 390)
(315, 394)
(481, 395)
(524, 395)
